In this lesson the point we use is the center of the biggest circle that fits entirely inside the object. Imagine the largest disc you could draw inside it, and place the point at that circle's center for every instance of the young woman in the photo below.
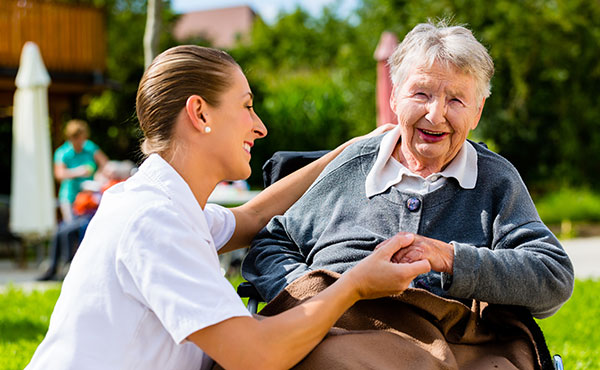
(145, 289)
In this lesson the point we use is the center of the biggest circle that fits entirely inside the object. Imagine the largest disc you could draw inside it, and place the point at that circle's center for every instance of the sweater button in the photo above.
(413, 204)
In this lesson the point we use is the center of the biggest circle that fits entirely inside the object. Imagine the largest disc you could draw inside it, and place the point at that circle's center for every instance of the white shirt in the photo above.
(388, 172)
(145, 277)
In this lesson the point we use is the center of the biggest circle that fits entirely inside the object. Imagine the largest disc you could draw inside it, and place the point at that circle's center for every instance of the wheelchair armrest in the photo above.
(247, 290)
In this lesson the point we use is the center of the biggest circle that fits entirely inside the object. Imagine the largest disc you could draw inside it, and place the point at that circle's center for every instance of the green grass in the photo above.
(573, 332)
(24, 319)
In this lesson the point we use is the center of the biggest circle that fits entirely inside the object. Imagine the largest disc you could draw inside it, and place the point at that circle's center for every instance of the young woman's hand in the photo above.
(379, 276)
(378, 131)
(439, 254)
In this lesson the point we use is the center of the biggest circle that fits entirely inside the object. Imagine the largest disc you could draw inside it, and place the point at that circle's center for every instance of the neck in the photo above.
(419, 166)
(197, 174)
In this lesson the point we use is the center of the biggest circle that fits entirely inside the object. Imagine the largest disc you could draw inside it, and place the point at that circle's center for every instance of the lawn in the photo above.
(573, 332)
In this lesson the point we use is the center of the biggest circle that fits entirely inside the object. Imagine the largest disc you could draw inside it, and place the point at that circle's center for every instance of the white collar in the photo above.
(175, 187)
(387, 172)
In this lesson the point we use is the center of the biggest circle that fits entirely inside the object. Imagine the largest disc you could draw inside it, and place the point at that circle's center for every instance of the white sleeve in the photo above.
(221, 223)
(172, 268)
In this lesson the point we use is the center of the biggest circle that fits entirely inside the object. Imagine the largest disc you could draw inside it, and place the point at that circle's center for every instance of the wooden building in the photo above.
(72, 40)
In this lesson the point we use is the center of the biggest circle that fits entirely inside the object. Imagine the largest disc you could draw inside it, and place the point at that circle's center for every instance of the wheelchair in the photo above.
(281, 164)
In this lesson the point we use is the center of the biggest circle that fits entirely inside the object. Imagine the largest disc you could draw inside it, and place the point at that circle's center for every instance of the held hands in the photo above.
(378, 276)
(439, 254)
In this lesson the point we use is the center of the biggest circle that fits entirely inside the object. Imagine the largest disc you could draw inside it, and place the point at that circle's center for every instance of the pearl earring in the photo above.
(207, 129)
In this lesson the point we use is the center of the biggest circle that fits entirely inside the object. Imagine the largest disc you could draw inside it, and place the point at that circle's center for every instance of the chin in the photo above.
(243, 174)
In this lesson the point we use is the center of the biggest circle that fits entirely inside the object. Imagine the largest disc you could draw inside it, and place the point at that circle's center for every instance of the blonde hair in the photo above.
(428, 43)
(75, 128)
(174, 76)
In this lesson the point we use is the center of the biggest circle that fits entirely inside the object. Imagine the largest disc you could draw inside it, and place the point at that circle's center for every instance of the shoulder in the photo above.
(361, 155)
(65, 148)
(493, 167)
(90, 146)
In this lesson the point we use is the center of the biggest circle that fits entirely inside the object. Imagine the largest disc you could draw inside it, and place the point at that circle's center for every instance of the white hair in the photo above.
(428, 43)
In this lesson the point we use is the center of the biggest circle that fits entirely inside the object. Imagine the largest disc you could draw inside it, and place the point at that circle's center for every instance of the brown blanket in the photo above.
(419, 330)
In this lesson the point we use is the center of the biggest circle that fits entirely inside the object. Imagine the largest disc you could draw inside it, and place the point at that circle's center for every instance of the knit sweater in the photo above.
(503, 253)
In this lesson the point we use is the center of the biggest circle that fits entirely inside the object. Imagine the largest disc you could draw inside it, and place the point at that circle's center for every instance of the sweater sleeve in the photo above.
(525, 264)
(274, 260)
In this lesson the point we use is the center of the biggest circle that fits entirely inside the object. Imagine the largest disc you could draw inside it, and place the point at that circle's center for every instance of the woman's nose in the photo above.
(259, 127)
(436, 111)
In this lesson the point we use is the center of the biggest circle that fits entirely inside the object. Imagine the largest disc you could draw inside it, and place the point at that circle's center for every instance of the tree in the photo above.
(152, 33)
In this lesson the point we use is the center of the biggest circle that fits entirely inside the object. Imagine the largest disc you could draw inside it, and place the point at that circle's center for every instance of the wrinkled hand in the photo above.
(378, 276)
(439, 254)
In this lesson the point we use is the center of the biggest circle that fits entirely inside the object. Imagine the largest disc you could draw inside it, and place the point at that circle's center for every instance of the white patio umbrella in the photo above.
(32, 204)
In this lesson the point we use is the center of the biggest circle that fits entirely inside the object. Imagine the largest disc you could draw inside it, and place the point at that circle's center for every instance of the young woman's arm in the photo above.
(280, 341)
(277, 198)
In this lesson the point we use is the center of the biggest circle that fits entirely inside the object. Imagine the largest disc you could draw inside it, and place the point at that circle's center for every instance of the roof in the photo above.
(221, 26)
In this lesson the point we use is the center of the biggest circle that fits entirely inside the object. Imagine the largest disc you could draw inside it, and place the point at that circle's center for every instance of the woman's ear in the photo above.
(393, 99)
(196, 111)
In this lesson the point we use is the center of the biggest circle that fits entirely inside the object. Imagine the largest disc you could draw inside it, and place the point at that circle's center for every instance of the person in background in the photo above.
(65, 241)
(76, 161)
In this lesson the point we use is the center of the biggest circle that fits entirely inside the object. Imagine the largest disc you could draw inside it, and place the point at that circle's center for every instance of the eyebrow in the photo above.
(249, 93)
(424, 85)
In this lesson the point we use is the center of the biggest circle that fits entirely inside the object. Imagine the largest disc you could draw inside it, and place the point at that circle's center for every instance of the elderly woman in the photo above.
(470, 212)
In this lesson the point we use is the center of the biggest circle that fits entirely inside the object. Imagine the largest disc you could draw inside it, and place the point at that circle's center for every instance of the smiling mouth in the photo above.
(432, 136)
(432, 133)
(247, 147)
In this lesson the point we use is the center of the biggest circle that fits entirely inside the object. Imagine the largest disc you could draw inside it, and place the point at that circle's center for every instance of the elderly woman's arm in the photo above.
(528, 267)
(523, 265)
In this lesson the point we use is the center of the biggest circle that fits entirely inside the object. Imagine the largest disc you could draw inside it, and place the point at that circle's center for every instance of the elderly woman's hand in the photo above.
(439, 254)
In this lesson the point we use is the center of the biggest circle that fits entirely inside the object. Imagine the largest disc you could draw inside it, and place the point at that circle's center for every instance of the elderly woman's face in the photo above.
(436, 109)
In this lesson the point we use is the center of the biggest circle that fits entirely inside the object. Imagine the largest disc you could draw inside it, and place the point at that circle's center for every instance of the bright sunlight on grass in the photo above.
(24, 319)
(572, 332)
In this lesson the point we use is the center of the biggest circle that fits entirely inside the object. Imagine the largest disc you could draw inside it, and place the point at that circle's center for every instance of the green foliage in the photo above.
(302, 112)
(314, 83)
(569, 204)
(573, 331)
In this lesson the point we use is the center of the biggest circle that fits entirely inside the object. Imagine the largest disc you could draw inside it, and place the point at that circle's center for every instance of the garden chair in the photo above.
(281, 164)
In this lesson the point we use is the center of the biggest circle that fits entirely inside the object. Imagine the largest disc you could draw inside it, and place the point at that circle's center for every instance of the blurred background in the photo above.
(318, 71)
(311, 66)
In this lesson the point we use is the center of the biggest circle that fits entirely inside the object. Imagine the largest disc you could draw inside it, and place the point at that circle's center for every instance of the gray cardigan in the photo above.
(503, 252)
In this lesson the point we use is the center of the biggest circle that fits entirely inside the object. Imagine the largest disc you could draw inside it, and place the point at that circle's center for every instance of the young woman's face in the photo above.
(234, 128)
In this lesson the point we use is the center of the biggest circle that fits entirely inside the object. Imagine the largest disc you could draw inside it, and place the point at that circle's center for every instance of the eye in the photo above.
(250, 106)
(420, 95)
(456, 100)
